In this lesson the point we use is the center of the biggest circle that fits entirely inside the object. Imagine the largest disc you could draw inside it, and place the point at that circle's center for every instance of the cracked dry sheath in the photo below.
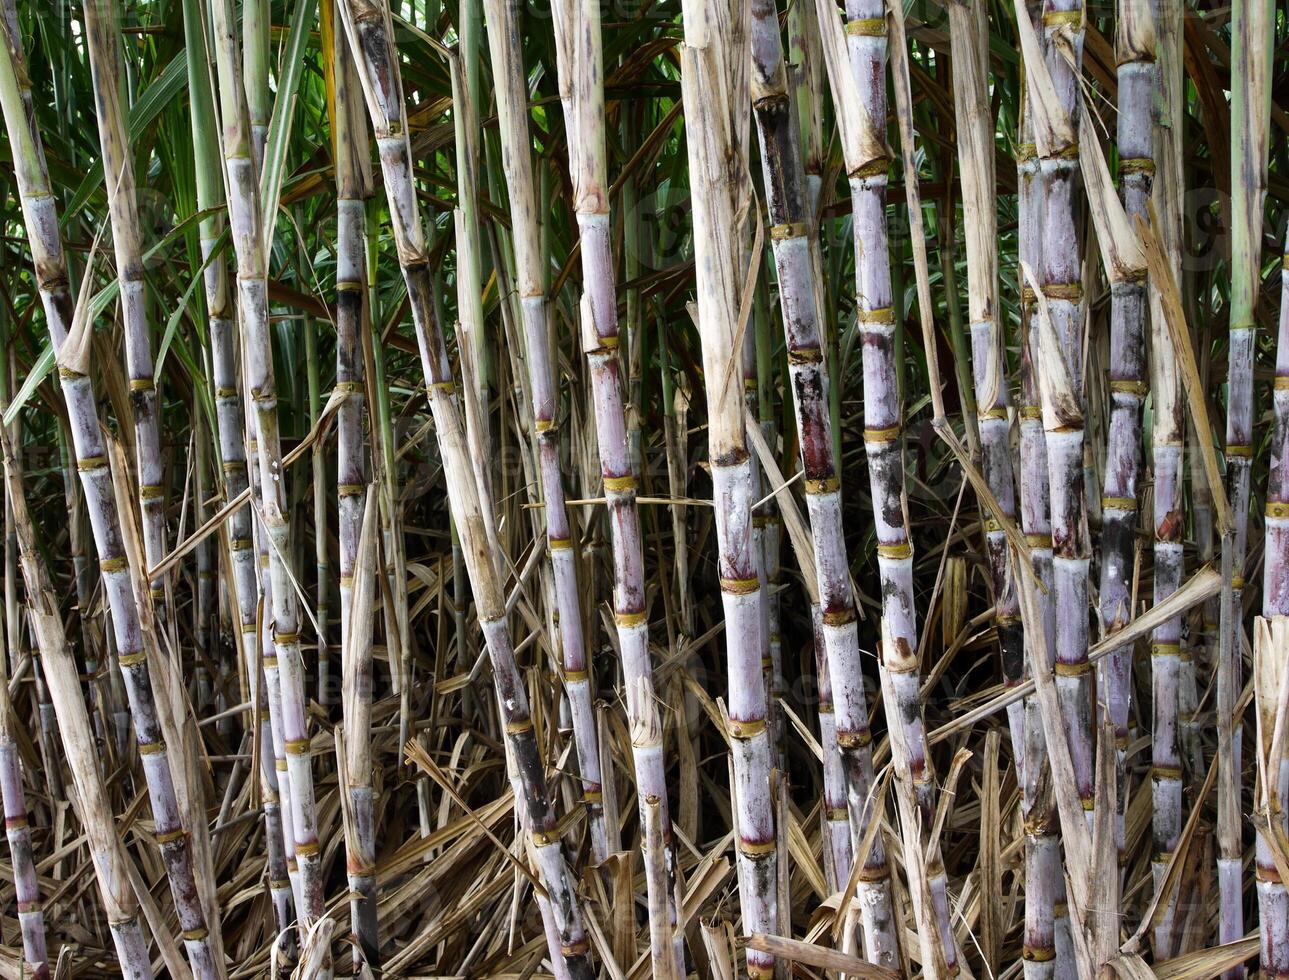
(368, 26)
(843, 709)
(577, 25)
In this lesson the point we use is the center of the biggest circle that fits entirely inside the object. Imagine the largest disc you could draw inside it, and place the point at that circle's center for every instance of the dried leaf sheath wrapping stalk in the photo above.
(231, 435)
(846, 723)
(247, 229)
(969, 34)
(578, 48)
(1055, 100)
(92, 463)
(512, 110)
(712, 60)
(368, 26)
(1046, 949)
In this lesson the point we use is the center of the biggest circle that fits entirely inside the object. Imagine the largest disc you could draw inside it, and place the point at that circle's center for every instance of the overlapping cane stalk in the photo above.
(511, 93)
(841, 685)
(714, 65)
(1129, 319)
(1270, 657)
(26, 885)
(857, 75)
(968, 28)
(1164, 86)
(577, 32)
(40, 214)
(1251, 40)
(103, 43)
(369, 28)
(90, 797)
(353, 183)
(1052, 72)
(1044, 892)
(273, 512)
(242, 585)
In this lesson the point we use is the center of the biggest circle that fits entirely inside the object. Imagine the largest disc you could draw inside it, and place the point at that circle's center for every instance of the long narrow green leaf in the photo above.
(146, 108)
(39, 372)
(283, 113)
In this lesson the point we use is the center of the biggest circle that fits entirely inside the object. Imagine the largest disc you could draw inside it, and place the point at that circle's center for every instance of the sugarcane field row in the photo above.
(644, 488)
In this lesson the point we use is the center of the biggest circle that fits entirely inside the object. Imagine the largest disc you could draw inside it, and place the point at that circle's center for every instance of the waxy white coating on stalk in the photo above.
(843, 707)
(581, 82)
(369, 30)
(867, 163)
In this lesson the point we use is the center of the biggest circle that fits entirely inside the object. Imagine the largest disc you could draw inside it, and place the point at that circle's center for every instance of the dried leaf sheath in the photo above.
(367, 24)
(577, 32)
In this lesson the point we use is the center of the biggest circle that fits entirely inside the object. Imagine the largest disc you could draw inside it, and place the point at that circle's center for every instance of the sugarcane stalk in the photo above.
(867, 163)
(31, 915)
(503, 23)
(1059, 277)
(1043, 891)
(968, 26)
(791, 231)
(1129, 318)
(714, 63)
(1251, 41)
(371, 38)
(256, 47)
(40, 215)
(1273, 901)
(1157, 78)
(271, 501)
(353, 184)
(91, 801)
(243, 586)
(582, 93)
(103, 41)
